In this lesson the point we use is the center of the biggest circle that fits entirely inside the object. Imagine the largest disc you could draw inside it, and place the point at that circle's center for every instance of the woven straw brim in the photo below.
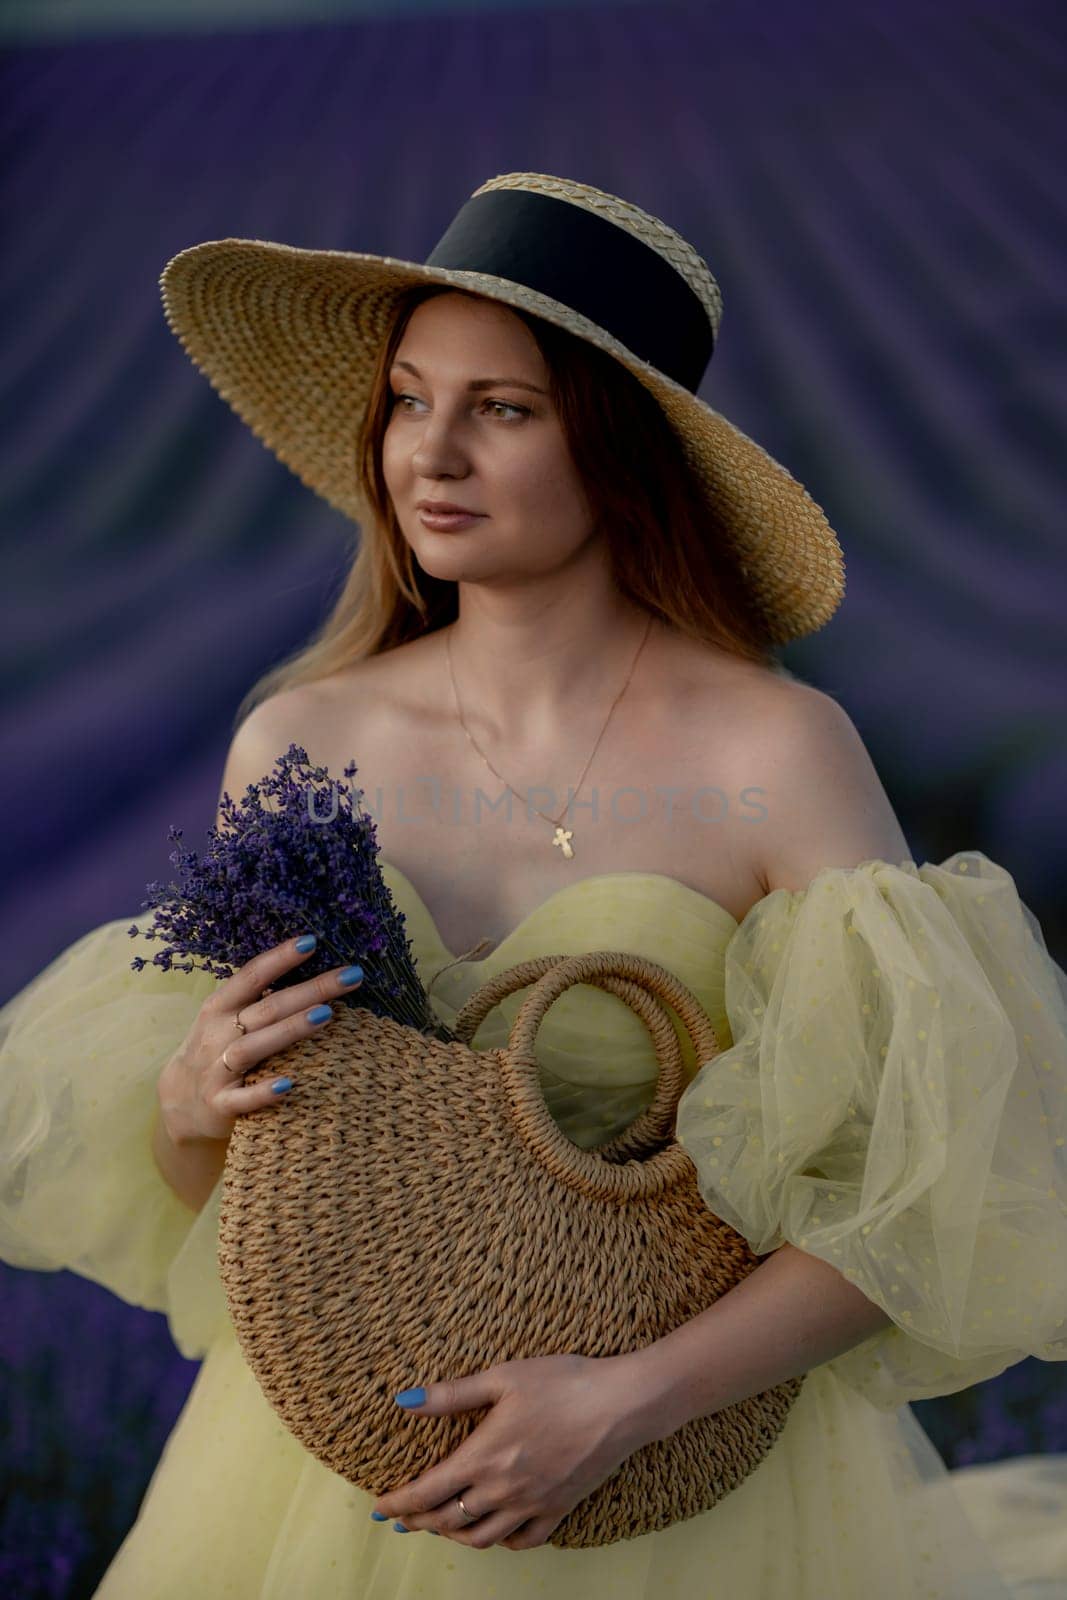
(289, 337)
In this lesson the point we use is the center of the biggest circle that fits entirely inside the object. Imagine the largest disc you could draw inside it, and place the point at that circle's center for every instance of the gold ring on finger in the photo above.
(471, 1517)
(226, 1064)
(238, 1024)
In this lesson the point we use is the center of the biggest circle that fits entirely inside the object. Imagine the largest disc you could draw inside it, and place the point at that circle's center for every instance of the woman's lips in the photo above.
(444, 522)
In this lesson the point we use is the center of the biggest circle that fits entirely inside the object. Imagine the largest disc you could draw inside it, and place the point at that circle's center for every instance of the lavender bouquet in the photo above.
(310, 863)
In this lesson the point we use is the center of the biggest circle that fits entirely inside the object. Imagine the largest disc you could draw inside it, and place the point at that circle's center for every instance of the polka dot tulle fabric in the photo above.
(895, 1102)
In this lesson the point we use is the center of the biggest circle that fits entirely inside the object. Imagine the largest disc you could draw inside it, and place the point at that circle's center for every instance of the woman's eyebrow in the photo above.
(480, 383)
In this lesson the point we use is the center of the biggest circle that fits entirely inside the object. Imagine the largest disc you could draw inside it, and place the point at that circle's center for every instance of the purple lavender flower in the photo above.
(306, 861)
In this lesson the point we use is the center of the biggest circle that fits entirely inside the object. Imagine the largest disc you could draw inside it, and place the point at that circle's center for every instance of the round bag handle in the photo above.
(642, 984)
(654, 1126)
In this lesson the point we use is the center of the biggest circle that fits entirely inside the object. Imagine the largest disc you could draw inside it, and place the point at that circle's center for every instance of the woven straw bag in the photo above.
(412, 1211)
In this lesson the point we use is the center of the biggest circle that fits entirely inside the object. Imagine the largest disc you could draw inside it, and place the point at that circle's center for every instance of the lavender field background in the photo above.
(878, 193)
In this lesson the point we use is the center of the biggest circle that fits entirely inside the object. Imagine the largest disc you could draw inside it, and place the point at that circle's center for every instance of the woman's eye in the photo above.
(505, 405)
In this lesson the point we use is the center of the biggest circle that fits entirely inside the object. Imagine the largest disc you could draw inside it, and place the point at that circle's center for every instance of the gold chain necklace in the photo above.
(563, 836)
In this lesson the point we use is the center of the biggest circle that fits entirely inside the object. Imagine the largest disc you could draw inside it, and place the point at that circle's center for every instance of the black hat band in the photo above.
(566, 252)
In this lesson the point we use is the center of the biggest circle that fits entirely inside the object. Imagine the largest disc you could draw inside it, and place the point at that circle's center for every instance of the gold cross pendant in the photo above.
(563, 838)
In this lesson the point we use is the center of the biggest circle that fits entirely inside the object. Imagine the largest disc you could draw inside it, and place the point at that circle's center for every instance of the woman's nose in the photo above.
(439, 448)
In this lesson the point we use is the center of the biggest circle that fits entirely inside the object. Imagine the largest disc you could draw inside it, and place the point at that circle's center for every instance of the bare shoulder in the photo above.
(279, 717)
(400, 679)
(328, 718)
(826, 804)
(284, 718)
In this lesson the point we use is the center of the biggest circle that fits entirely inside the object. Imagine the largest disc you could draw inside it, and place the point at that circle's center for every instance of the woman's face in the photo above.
(498, 449)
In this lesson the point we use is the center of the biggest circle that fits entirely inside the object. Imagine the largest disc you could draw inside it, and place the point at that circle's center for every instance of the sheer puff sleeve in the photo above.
(81, 1050)
(893, 1099)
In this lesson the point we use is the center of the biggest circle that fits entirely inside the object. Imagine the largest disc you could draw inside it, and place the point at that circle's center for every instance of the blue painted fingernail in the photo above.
(281, 1084)
(411, 1397)
(308, 942)
(319, 1013)
(398, 1527)
(350, 975)
(379, 1516)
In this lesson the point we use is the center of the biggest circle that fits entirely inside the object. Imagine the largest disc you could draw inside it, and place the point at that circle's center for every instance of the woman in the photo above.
(605, 605)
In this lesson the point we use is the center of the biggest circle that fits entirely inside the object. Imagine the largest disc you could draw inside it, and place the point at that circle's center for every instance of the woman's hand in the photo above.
(559, 1426)
(200, 1095)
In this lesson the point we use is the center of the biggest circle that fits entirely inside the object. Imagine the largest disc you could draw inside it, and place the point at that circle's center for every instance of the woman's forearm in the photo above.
(792, 1313)
(191, 1169)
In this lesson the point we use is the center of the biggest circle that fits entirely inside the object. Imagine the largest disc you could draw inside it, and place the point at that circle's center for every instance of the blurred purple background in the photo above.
(879, 194)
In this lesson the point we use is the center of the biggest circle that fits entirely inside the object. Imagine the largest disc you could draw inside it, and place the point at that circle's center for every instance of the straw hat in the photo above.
(289, 337)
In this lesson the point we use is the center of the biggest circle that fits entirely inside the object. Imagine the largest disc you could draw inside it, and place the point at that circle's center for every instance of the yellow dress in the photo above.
(891, 1096)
